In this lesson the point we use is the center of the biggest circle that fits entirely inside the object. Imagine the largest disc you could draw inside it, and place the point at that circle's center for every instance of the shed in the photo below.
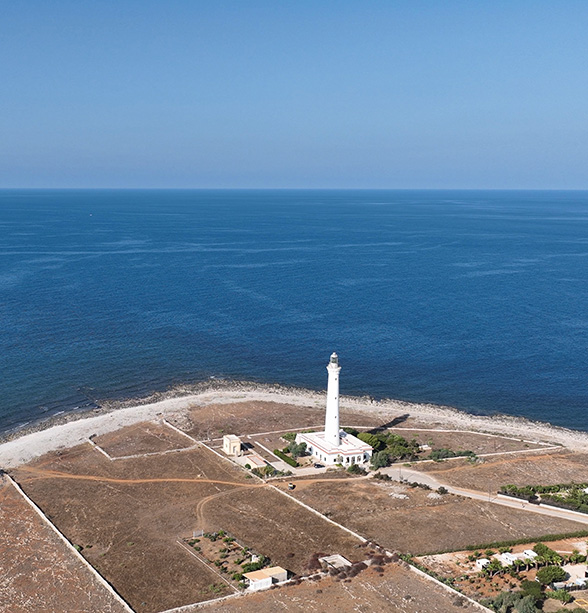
(529, 553)
(231, 444)
(482, 563)
(264, 578)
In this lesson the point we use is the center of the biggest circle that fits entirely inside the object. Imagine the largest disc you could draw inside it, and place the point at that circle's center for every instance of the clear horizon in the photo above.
(262, 95)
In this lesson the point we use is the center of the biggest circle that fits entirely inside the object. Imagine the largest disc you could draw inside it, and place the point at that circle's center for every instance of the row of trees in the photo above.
(564, 495)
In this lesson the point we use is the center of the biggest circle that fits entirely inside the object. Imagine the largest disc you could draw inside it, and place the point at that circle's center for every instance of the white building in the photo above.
(334, 446)
(507, 558)
(232, 444)
(266, 577)
(482, 563)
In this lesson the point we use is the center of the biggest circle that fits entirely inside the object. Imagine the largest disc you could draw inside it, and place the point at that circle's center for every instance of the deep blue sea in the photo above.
(475, 299)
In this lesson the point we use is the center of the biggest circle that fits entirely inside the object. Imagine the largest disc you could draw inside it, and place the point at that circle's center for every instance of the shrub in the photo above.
(532, 588)
(442, 490)
(371, 440)
(351, 431)
(560, 595)
(380, 459)
(289, 436)
(286, 458)
(355, 469)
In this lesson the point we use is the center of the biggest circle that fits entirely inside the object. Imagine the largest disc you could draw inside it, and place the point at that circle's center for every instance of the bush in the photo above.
(286, 458)
(289, 436)
(355, 469)
(442, 490)
(297, 449)
(371, 440)
(560, 595)
(380, 459)
(351, 431)
(532, 588)
(550, 574)
(444, 453)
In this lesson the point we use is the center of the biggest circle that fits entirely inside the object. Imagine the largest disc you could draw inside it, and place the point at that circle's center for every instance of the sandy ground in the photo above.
(34, 444)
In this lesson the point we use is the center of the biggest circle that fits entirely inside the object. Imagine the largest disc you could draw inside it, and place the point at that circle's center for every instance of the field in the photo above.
(472, 441)
(413, 520)
(542, 468)
(212, 421)
(395, 589)
(129, 515)
(142, 438)
(39, 572)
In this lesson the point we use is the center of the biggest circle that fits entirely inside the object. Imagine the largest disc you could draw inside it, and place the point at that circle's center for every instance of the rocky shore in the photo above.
(69, 429)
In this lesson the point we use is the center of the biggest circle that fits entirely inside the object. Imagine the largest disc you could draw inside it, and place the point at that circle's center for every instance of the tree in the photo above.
(562, 595)
(297, 449)
(526, 605)
(371, 440)
(380, 459)
(551, 574)
(532, 588)
(494, 567)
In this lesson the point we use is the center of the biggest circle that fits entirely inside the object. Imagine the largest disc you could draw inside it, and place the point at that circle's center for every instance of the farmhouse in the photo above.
(266, 577)
(334, 446)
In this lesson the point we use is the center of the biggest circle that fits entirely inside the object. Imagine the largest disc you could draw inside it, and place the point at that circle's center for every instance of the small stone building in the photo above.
(232, 445)
(266, 577)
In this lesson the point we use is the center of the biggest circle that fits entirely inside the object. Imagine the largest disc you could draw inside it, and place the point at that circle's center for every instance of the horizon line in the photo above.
(358, 189)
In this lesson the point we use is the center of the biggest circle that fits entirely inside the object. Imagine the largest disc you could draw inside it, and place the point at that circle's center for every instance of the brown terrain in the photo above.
(212, 421)
(531, 469)
(142, 438)
(423, 521)
(128, 516)
(471, 441)
(131, 516)
(39, 572)
(395, 589)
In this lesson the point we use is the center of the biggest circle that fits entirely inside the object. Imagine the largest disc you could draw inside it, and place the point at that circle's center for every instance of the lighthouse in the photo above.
(332, 435)
(334, 446)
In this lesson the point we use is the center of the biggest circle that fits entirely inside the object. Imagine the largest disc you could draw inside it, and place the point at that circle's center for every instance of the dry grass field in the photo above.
(541, 469)
(472, 441)
(128, 516)
(142, 438)
(395, 589)
(212, 421)
(416, 520)
(38, 572)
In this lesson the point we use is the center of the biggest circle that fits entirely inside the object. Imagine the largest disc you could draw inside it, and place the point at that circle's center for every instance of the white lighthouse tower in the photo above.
(332, 435)
(334, 446)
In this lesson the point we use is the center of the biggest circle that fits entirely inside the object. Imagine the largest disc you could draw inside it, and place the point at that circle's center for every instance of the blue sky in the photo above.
(248, 93)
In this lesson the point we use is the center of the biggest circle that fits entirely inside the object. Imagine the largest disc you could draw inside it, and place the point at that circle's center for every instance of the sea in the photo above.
(473, 299)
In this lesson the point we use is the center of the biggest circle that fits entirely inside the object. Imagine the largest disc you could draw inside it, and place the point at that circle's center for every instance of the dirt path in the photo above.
(39, 473)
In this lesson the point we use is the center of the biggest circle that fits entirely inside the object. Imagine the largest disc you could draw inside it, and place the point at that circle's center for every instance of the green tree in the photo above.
(550, 574)
(380, 459)
(526, 605)
(297, 449)
(371, 440)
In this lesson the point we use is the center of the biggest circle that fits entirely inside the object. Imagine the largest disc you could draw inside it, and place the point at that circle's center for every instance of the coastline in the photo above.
(71, 429)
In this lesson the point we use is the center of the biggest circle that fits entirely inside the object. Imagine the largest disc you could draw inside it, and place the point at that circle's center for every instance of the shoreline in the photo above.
(70, 429)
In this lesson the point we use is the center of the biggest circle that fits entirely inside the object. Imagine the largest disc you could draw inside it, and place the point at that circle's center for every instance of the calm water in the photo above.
(473, 299)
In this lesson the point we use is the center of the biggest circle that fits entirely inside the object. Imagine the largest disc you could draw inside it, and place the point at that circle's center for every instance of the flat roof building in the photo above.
(266, 577)
(232, 445)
